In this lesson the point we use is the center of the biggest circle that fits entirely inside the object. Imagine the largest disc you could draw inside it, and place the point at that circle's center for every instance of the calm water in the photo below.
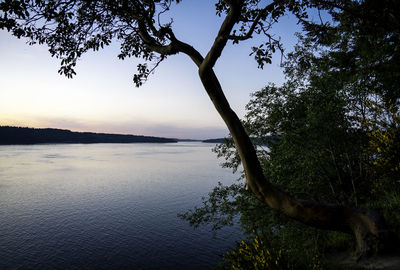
(107, 206)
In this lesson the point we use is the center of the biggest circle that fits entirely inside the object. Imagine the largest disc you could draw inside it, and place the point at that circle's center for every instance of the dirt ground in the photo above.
(380, 262)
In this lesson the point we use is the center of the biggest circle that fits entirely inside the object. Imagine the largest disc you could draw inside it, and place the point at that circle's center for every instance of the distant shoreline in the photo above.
(10, 135)
(28, 136)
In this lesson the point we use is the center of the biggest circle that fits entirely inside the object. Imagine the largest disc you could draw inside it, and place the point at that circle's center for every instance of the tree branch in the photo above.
(175, 46)
(256, 21)
(152, 43)
(220, 41)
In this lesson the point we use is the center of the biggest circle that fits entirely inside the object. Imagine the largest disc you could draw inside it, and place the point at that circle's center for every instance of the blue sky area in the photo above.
(103, 98)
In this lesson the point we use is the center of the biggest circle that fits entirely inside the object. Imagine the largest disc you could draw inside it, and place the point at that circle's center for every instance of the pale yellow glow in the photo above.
(102, 96)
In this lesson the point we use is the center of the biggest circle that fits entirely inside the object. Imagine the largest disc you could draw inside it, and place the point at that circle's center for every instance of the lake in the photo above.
(108, 206)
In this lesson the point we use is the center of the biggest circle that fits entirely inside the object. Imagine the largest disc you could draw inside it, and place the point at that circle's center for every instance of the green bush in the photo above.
(257, 254)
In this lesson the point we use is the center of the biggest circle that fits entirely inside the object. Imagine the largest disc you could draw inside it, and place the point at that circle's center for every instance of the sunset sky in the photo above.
(103, 98)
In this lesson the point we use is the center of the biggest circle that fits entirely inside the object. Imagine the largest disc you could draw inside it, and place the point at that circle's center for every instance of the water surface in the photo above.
(107, 206)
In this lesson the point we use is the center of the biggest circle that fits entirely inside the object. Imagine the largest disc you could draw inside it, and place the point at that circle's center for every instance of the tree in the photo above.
(71, 28)
(313, 141)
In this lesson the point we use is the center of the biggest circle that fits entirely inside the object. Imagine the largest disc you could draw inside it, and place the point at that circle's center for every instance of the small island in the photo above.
(217, 140)
(24, 135)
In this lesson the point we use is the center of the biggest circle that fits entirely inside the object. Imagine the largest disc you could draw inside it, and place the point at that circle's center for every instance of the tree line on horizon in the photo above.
(25, 135)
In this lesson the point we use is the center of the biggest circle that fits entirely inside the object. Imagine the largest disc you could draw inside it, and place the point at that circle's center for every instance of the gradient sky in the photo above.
(103, 98)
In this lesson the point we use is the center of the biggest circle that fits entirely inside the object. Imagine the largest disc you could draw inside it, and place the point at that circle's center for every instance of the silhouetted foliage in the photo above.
(71, 28)
(336, 124)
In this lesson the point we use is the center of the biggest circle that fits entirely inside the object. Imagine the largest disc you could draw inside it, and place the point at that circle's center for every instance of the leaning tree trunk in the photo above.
(332, 217)
(358, 222)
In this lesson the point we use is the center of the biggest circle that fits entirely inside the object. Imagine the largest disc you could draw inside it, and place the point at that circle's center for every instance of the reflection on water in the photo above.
(107, 206)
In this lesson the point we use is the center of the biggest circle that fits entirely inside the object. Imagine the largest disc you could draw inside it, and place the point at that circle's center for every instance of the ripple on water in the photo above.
(107, 206)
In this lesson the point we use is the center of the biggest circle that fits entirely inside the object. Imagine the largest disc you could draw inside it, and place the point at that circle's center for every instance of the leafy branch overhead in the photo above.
(143, 28)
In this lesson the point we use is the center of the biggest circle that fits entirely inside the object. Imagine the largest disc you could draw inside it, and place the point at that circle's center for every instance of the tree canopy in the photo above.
(329, 133)
(71, 28)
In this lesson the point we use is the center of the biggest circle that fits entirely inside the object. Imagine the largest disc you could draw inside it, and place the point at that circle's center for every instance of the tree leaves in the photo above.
(71, 28)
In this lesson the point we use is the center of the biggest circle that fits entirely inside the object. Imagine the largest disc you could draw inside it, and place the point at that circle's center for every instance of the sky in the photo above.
(103, 98)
